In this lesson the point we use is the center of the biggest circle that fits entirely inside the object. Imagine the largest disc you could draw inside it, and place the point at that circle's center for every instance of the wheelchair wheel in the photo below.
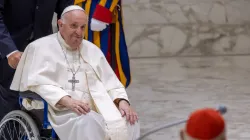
(18, 125)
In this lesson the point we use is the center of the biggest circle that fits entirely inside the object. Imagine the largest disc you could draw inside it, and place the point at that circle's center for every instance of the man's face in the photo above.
(72, 28)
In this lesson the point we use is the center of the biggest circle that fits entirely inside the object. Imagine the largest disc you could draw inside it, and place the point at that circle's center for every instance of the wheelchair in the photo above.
(27, 125)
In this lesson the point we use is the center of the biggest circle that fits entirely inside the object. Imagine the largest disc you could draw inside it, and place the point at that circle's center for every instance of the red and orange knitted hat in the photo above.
(205, 124)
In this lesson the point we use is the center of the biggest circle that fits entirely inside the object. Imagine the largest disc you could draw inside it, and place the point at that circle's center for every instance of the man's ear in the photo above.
(59, 23)
(182, 134)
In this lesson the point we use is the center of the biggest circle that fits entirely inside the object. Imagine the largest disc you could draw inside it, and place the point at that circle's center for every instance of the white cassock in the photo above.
(45, 69)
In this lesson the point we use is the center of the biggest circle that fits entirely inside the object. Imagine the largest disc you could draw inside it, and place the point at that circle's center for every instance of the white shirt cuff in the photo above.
(11, 53)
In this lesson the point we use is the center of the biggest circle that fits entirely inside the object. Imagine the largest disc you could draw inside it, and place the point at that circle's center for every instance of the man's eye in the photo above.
(73, 26)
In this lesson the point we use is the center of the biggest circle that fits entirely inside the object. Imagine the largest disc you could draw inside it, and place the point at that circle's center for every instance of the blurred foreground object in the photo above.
(204, 124)
(193, 123)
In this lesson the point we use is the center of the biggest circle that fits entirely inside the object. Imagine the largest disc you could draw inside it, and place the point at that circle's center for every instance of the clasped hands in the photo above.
(80, 108)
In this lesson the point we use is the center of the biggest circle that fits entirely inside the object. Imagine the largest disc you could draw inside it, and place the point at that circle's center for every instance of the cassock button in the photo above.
(37, 7)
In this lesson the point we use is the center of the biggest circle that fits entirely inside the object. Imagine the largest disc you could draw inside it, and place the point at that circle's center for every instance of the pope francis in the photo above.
(87, 101)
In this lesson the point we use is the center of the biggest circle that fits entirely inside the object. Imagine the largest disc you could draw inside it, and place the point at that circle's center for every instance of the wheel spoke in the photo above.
(18, 125)
(9, 131)
(15, 128)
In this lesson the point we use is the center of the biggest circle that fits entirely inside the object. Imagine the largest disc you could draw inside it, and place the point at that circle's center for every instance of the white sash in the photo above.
(116, 125)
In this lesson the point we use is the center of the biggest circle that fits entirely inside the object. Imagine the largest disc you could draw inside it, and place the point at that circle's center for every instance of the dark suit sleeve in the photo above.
(61, 5)
(7, 45)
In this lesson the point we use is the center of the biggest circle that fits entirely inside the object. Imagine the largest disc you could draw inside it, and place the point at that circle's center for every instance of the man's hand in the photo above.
(127, 111)
(14, 59)
(75, 105)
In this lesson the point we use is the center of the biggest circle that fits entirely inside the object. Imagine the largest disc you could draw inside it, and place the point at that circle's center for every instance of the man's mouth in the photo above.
(78, 37)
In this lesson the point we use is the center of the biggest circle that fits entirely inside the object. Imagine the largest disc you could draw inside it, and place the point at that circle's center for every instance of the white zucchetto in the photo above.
(71, 8)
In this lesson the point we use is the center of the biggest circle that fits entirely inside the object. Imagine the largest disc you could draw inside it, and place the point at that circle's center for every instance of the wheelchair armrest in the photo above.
(30, 94)
(35, 96)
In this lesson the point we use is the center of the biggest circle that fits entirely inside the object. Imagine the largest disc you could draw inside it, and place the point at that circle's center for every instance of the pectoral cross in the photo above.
(73, 81)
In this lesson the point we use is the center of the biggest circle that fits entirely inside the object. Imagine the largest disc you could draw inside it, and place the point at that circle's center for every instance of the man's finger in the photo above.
(10, 63)
(122, 112)
(17, 58)
(87, 105)
(13, 66)
(76, 111)
(135, 118)
(20, 55)
(128, 115)
(132, 118)
(84, 107)
(81, 110)
(13, 63)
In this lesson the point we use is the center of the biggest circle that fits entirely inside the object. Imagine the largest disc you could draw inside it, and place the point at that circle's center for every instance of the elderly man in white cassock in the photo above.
(86, 99)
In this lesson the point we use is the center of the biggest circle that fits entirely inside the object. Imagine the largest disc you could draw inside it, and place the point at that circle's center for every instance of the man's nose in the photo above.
(79, 31)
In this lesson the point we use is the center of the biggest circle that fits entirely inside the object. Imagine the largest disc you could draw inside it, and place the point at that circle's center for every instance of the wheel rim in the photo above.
(9, 130)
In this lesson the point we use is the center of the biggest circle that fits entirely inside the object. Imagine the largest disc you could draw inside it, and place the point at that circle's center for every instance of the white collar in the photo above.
(63, 43)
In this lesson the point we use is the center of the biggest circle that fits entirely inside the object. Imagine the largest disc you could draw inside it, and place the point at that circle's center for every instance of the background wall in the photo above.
(156, 28)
